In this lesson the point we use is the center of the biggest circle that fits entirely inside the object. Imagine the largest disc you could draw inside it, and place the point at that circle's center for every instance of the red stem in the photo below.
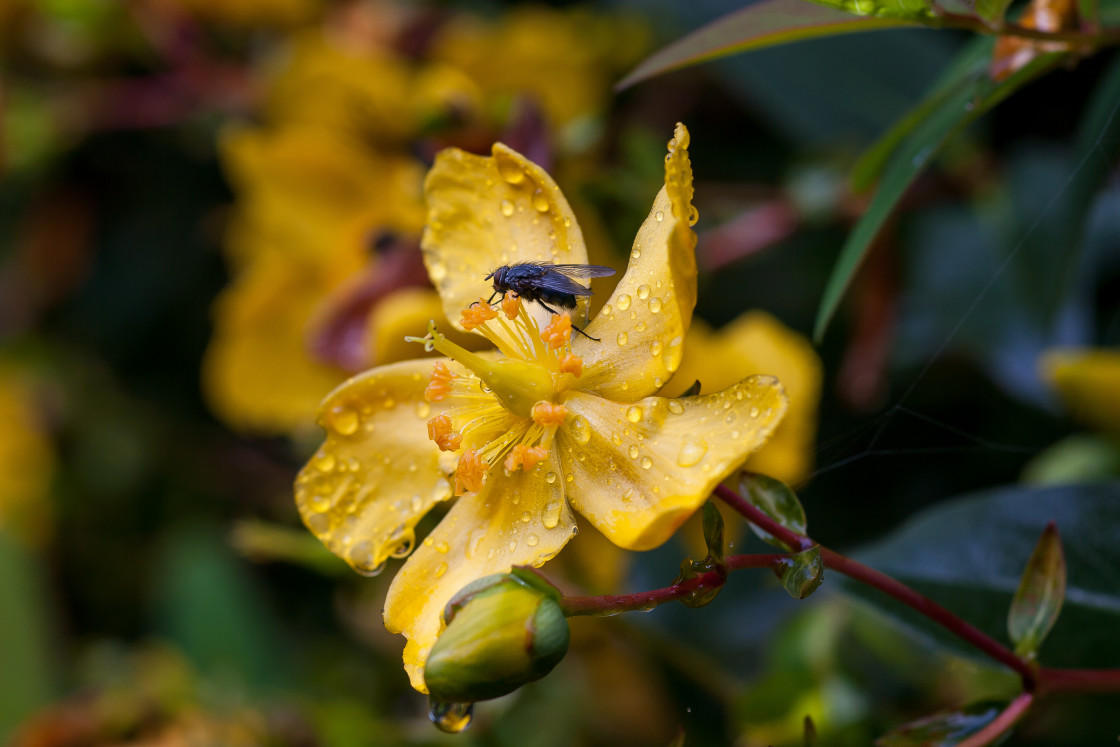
(1078, 680)
(613, 604)
(1004, 721)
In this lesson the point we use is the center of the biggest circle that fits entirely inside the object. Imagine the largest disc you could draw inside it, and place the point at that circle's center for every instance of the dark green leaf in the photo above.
(942, 729)
(967, 554)
(801, 573)
(776, 500)
(764, 24)
(919, 138)
(910, 10)
(713, 531)
(1038, 600)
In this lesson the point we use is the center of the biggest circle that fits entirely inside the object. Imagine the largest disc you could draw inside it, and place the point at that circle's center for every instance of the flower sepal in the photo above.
(502, 631)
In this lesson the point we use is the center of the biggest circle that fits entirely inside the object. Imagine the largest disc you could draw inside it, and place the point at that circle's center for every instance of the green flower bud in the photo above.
(502, 632)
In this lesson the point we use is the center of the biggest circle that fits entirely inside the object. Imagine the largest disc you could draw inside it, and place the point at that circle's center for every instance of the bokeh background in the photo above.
(209, 217)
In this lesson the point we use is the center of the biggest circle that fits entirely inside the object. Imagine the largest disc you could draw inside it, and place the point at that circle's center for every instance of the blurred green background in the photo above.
(206, 207)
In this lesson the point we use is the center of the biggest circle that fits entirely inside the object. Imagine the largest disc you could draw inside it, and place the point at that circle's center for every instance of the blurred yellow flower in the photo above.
(26, 462)
(553, 423)
(756, 342)
(1088, 381)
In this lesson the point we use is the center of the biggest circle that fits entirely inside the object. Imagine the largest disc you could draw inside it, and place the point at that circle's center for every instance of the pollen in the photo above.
(572, 364)
(471, 472)
(546, 414)
(476, 315)
(511, 305)
(439, 385)
(525, 457)
(439, 430)
(558, 333)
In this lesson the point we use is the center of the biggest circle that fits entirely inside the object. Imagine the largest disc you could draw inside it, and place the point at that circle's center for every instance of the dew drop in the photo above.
(623, 302)
(656, 347)
(580, 430)
(343, 420)
(550, 478)
(440, 569)
(507, 208)
(672, 355)
(675, 407)
(450, 717)
(511, 171)
(633, 451)
(660, 216)
(437, 271)
(636, 253)
(735, 434)
(442, 547)
(616, 439)
(540, 202)
(646, 462)
(526, 517)
(634, 414)
(693, 215)
(416, 504)
(754, 412)
(362, 559)
(550, 516)
(692, 451)
(512, 545)
(655, 305)
(532, 540)
(640, 327)
(622, 338)
(324, 461)
(423, 409)
(643, 292)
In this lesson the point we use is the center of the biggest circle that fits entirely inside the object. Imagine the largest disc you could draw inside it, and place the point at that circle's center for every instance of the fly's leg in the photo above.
(577, 329)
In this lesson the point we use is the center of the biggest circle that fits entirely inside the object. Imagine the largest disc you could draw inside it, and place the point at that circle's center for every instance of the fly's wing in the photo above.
(583, 271)
(552, 280)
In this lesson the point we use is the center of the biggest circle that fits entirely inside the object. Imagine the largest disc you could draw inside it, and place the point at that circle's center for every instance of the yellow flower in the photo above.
(550, 426)
(1088, 381)
(756, 342)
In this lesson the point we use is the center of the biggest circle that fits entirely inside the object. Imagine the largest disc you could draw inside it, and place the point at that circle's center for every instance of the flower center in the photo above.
(502, 411)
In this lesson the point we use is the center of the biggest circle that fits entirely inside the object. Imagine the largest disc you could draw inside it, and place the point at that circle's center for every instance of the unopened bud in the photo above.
(503, 631)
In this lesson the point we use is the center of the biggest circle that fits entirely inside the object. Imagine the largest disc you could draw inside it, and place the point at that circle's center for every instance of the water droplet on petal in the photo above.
(442, 547)
(343, 420)
(660, 216)
(622, 338)
(550, 516)
(423, 409)
(540, 202)
(450, 717)
(511, 171)
(643, 292)
(324, 461)
(532, 540)
(633, 451)
(655, 305)
(550, 478)
(646, 462)
(640, 327)
(580, 430)
(636, 253)
(656, 347)
(754, 412)
(623, 302)
(440, 569)
(675, 407)
(507, 208)
(634, 414)
(692, 451)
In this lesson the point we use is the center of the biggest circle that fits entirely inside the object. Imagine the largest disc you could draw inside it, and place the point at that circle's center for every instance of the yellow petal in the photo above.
(642, 326)
(757, 343)
(638, 470)
(378, 473)
(1088, 381)
(486, 212)
(521, 519)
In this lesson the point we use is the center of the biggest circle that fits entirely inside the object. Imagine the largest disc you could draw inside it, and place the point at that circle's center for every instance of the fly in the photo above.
(546, 284)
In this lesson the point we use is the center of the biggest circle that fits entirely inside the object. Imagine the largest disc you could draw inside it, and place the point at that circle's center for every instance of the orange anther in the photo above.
(546, 413)
(572, 364)
(439, 385)
(439, 430)
(558, 333)
(471, 473)
(525, 457)
(511, 304)
(476, 315)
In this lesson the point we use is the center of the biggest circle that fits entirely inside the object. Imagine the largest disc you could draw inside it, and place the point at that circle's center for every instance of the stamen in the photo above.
(439, 385)
(558, 333)
(471, 473)
(476, 315)
(525, 457)
(511, 305)
(572, 364)
(546, 414)
(439, 430)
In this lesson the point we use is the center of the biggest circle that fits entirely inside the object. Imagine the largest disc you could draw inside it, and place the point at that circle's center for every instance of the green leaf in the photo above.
(1038, 600)
(967, 554)
(942, 729)
(910, 10)
(713, 531)
(764, 24)
(967, 93)
(27, 670)
(775, 499)
(991, 11)
(801, 573)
